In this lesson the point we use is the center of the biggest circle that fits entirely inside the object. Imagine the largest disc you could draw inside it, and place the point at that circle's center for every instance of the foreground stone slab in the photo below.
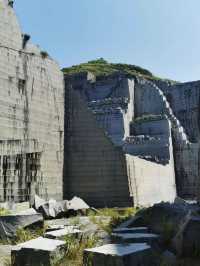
(120, 255)
(131, 230)
(136, 237)
(62, 233)
(38, 252)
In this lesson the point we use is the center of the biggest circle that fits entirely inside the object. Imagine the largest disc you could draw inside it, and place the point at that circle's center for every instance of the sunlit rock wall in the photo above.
(100, 153)
(31, 115)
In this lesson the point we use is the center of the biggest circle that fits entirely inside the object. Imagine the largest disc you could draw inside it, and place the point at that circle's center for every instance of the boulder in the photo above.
(165, 217)
(187, 240)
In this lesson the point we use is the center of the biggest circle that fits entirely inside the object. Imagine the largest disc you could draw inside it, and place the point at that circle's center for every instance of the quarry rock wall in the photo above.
(101, 152)
(184, 99)
(95, 169)
(151, 182)
(31, 116)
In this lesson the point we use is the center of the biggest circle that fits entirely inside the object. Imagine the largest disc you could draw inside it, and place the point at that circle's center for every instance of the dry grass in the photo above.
(74, 249)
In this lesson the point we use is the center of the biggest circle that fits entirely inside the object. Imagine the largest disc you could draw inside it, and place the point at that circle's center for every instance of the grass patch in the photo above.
(74, 249)
(101, 68)
(148, 118)
(117, 216)
(4, 212)
(23, 235)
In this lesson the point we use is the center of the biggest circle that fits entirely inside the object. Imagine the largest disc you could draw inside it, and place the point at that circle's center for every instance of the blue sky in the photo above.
(160, 35)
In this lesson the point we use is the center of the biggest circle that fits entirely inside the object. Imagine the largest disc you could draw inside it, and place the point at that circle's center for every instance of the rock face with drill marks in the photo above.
(31, 115)
(115, 156)
(145, 129)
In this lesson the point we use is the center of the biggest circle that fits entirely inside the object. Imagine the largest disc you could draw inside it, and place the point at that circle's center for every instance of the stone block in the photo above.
(62, 233)
(131, 230)
(37, 252)
(136, 237)
(120, 255)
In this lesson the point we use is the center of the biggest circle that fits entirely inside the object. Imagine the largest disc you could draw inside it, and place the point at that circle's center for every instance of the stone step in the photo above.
(37, 252)
(120, 255)
(136, 237)
(62, 233)
(126, 230)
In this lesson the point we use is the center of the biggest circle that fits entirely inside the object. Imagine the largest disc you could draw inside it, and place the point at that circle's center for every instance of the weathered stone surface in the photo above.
(164, 214)
(100, 125)
(32, 110)
(119, 254)
(187, 240)
(37, 252)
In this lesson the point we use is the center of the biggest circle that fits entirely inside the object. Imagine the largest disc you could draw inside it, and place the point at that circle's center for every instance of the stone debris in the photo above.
(119, 254)
(131, 230)
(77, 204)
(136, 237)
(37, 252)
(9, 224)
(62, 233)
(55, 209)
(52, 209)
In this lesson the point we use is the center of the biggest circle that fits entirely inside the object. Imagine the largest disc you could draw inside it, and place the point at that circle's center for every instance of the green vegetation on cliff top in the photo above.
(101, 67)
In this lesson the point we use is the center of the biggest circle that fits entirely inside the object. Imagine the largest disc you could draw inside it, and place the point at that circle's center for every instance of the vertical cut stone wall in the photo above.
(31, 116)
(95, 169)
(98, 167)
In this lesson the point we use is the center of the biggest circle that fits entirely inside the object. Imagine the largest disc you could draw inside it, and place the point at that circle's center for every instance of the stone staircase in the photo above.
(178, 130)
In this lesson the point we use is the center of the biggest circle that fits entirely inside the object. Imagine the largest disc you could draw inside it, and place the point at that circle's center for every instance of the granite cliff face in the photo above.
(130, 138)
(152, 127)
(118, 145)
(31, 115)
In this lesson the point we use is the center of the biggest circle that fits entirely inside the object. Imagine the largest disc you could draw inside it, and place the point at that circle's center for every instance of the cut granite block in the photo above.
(119, 255)
(60, 234)
(136, 237)
(131, 230)
(37, 252)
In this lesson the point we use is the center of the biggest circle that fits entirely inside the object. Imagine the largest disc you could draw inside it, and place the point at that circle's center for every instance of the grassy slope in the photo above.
(101, 67)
